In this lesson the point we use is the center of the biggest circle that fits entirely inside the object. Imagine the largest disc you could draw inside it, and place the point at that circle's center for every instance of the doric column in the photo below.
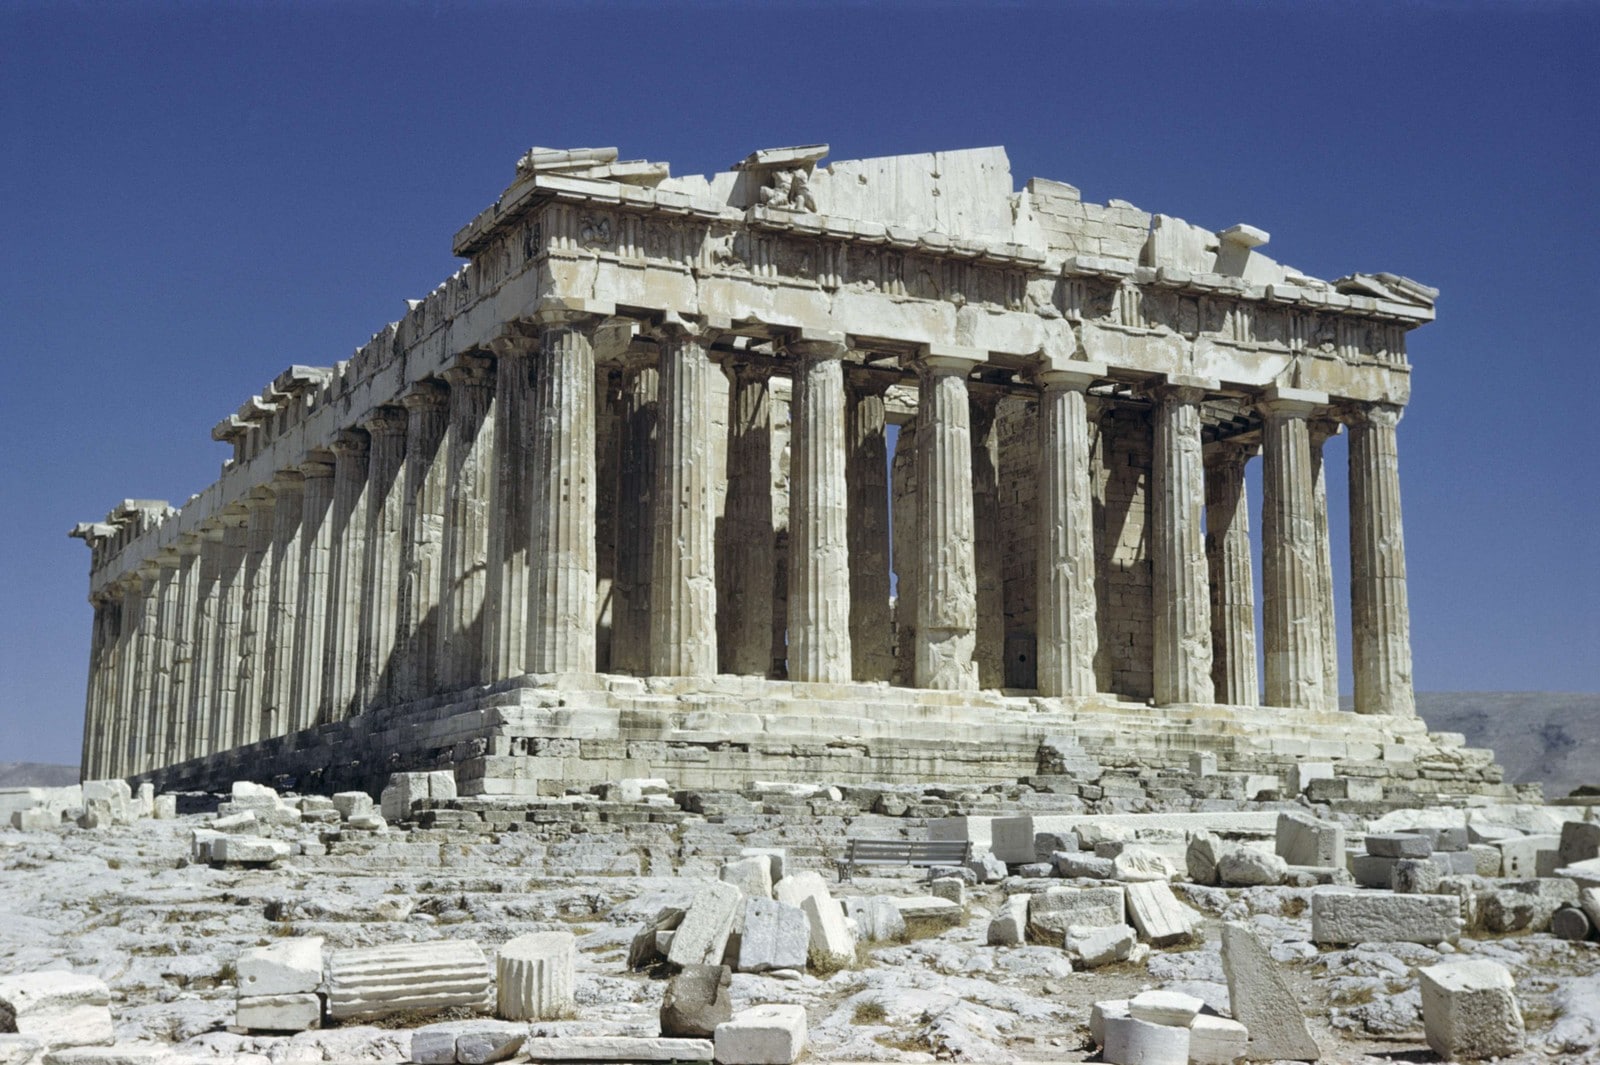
(1068, 634)
(461, 658)
(867, 532)
(506, 607)
(746, 548)
(1233, 602)
(989, 648)
(381, 569)
(683, 593)
(130, 593)
(341, 677)
(947, 600)
(1180, 595)
(94, 703)
(607, 475)
(1292, 629)
(226, 653)
(819, 514)
(155, 659)
(255, 618)
(277, 713)
(561, 609)
(907, 552)
(207, 610)
(316, 548)
(1321, 431)
(630, 612)
(413, 671)
(185, 624)
(1380, 618)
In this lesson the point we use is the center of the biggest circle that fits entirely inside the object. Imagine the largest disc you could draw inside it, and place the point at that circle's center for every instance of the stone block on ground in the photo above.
(37, 819)
(832, 942)
(373, 982)
(1248, 867)
(702, 938)
(1130, 1041)
(248, 850)
(475, 1042)
(762, 1035)
(1589, 902)
(1585, 874)
(299, 1012)
(1201, 856)
(287, 967)
(1165, 1007)
(1301, 774)
(1350, 917)
(696, 1000)
(777, 858)
(1304, 840)
(1525, 905)
(1485, 859)
(1527, 856)
(533, 977)
(753, 876)
(1136, 863)
(1203, 763)
(777, 936)
(1415, 876)
(1098, 1015)
(1446, 839)
(20, 1050)
(1009, 926)
(1217, 1041)
(642, 950)
(1469, 1010)
(1571, 923)
(1399, 845)
(59, 1009)
(1259, 997)
(1579, 842)
(877, 918)
(949, 888)
(1052, 912)
(1157, 915)
(1370, 870)
(616, 1048)
(1088, 866)
(1095, 947)
(353, 804)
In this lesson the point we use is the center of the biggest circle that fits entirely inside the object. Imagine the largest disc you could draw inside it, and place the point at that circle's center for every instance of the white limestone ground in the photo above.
(125, 905)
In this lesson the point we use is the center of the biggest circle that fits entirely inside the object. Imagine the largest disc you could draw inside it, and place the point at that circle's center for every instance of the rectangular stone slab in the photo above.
(1355, 917)
(616, 1048)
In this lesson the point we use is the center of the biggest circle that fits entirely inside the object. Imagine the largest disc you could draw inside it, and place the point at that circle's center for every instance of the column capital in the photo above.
(1278, 402)
(260, 498)
(1185, 388)
(1323, 427)
(573, 313)
(690, 329)
(471, 370)
(425, 394)
(1232, 452)
(188, 544)
(350, 441)
(288, 481)
(319, 463)
(235, 515)
(948, 360)
(1076, 376)
(1382, 415)
(384, 421)
(806, 343)
(742, 367)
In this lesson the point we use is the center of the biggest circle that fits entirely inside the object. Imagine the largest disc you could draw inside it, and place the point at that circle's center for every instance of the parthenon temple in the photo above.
(867, 470)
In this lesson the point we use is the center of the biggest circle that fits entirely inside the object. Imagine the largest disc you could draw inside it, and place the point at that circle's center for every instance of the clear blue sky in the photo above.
(194, 196)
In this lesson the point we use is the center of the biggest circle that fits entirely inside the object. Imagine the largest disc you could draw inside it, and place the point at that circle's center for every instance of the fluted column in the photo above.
(461, 657)
(867, 532)
(155, 660)
(607, 475)
(310, 635)
(1322, 430)
(277, 715)
(119, 725)
(1068, 634)
(819, 515)
(1380, 618)
(94, 708)
(1180, 595)
(561, 609)
(255, 618)
(1292, 628)
(414, 670)
(225, 670)
(382, 558)
(506, 607)
(342, 656)
(1233, 605)
(630, 612)
(207, 609)
(747, 546)
(683, 593)
(185, 626)
(905, 530)
(947, 600)
(989, 647)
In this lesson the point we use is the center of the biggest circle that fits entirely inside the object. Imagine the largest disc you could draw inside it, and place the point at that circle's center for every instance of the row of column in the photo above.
(450, 540)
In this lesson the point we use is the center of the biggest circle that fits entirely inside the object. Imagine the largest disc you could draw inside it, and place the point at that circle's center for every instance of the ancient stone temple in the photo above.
(616, 500)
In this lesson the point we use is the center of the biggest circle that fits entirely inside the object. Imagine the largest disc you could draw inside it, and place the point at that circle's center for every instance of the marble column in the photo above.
(461, 657)
(907, 543)
(277, 713)
(1380, 618)
(867, 532)
(207, 614)
(95, 691)
(1180, 593)
(630, 613)
(989, 647)
(254, 618)
(819, 515)
(561, 609)
(1322, 430)
(747, 546)
(155, 660)
(683, 592)
(226, 656)
(1233, 603)
(413, 671)
(607, 475)
(1068, 634)
(185, 623)
(947, 599)
(381, 567)
(120, 717)
(507, 593)
(342, 655)
(310, 635)
(1291, 627)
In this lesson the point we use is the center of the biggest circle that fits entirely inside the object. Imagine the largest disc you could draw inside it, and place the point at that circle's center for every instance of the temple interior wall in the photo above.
(1120, 443)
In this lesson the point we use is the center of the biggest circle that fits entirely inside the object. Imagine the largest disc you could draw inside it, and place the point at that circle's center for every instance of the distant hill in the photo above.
(1553, 737)
(36, 775)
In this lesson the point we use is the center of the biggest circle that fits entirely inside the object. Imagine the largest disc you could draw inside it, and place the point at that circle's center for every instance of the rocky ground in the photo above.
(126, 903)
